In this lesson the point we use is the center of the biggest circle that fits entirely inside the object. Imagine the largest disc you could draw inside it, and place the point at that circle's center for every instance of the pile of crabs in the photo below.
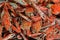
(30, 20)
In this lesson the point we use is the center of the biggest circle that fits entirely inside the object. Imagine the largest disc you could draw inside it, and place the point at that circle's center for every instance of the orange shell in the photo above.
(55, 9)
(29, 9)
(36, 26)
